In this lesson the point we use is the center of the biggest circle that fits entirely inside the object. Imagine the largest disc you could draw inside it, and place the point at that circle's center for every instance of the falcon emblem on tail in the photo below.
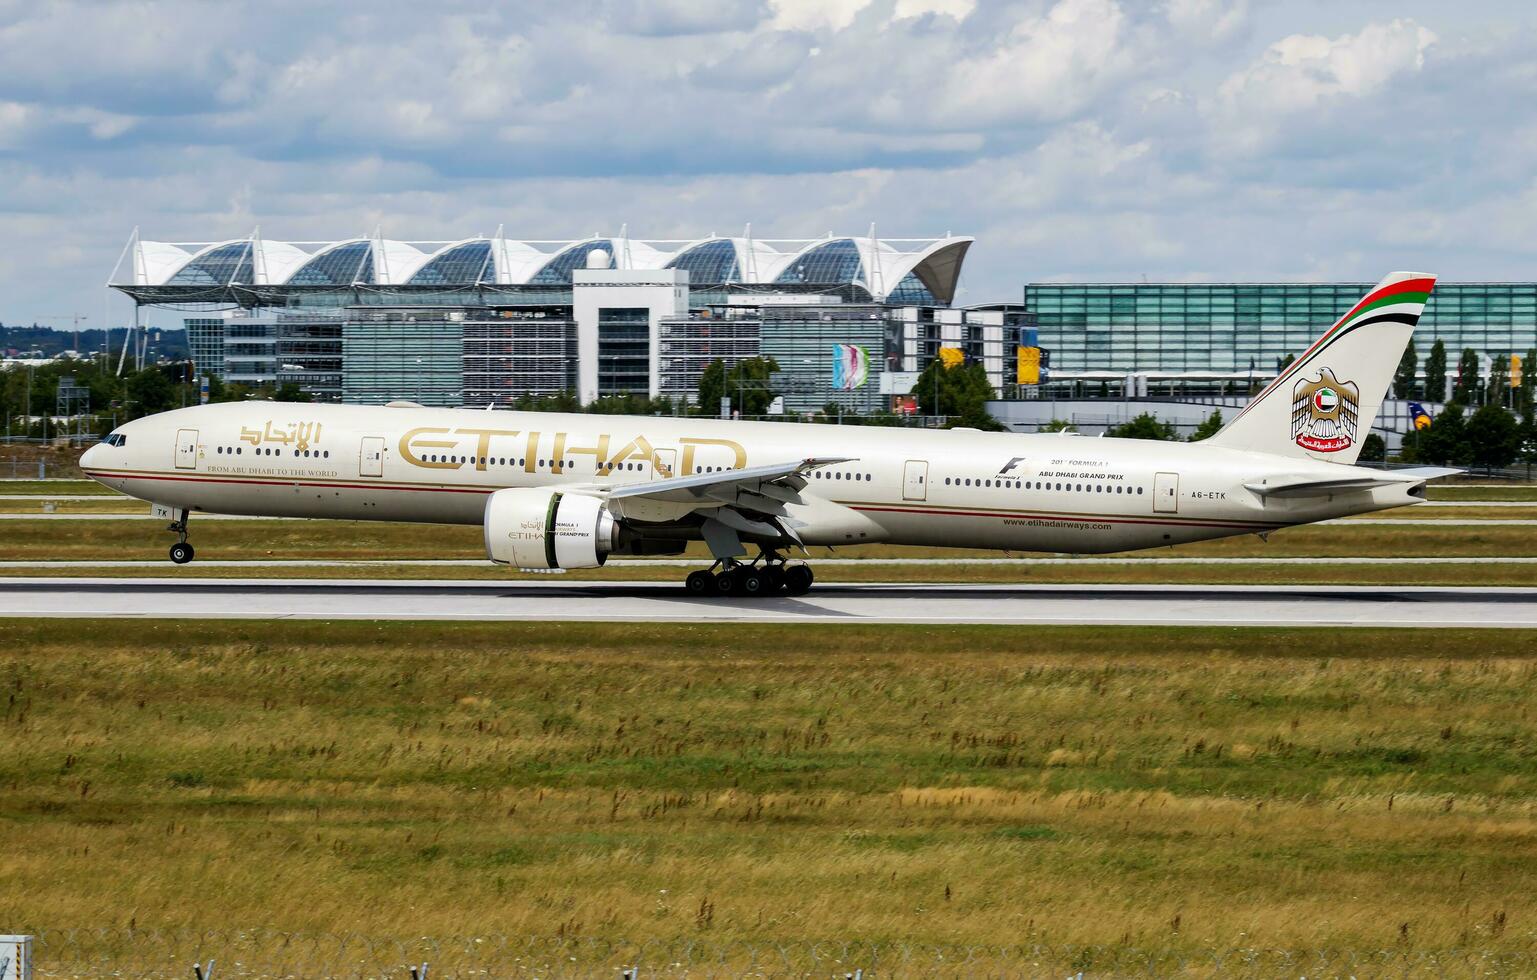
(1324, 413)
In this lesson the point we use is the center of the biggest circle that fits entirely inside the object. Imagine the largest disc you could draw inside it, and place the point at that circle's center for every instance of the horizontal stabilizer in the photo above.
(1314, 486)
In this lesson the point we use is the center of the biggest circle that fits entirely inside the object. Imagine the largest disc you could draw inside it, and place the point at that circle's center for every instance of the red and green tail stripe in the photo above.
(1368, 311)
(1408, 291)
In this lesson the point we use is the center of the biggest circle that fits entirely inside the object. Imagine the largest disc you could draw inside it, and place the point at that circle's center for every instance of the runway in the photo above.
(948, 604)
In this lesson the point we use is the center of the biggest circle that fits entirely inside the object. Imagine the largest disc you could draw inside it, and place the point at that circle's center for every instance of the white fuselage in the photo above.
(953, 488)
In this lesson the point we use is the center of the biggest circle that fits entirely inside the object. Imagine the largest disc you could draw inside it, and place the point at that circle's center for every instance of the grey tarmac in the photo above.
(555, 601)
(256, 564)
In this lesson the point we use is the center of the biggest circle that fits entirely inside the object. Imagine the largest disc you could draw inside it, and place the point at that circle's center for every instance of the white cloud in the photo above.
(1213, 20)
(1047, 67)
(815, 15)
(1302, 70)
(1101, 138)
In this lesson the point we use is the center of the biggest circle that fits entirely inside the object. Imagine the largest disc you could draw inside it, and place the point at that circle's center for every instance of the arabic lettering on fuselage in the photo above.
(443, 448)
(301, 435)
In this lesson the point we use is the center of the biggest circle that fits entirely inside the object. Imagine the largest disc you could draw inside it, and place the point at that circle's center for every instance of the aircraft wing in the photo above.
(1314, 486)
(751, 500)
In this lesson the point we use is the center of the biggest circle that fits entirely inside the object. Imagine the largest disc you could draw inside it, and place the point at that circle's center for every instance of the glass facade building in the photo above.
(416, 355)
(205, 341)
(1174, 329)
(516, 352)
(803, 340)
(624, 351)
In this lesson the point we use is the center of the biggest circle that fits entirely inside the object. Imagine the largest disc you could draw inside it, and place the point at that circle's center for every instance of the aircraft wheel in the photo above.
(699, 583)
(775, 574)
(725, 583)
(181, 552)
(753, 584)
(798, 579)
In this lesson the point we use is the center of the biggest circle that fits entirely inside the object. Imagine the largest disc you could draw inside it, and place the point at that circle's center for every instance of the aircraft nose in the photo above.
(88, 455)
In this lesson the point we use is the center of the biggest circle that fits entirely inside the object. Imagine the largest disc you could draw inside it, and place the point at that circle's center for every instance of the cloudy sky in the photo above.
(1076, 139)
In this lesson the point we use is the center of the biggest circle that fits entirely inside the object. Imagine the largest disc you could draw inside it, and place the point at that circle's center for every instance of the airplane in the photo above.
(567, 491)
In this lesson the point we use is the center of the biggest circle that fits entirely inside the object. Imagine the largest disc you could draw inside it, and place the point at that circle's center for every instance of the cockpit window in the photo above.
(115, 439)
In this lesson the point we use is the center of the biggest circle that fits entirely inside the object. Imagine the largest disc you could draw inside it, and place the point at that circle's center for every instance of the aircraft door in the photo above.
(1166, 493)
(371, 460)
(915, 480)
(664, 464)
(186, 449)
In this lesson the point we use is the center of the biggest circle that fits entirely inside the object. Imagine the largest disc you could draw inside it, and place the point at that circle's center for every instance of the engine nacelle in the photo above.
(533, 528)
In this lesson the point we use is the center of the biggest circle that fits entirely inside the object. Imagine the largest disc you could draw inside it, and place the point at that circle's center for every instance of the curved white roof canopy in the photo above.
(880, 265)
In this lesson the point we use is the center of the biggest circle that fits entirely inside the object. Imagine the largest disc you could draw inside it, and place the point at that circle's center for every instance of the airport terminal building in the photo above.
(486, 320)
(1216, 337)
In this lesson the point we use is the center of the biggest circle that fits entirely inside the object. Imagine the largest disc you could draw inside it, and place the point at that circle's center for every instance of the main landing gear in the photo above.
(181, 551)
(769, 575)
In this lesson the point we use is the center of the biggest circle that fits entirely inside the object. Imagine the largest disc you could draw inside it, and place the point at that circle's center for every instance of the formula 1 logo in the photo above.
(1324, 413)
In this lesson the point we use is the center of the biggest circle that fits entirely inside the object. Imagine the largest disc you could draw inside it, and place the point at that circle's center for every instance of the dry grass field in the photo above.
(244, 539)
(1132, 787)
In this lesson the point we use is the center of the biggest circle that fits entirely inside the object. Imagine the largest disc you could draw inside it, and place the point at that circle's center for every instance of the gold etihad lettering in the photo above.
(409, 443)
(689, 445)
(637, 448)
(301, 435)
(483, 445)
(599, 453)
(415, 446)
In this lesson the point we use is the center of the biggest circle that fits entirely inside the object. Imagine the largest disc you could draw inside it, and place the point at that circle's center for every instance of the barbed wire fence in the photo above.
(238, 955)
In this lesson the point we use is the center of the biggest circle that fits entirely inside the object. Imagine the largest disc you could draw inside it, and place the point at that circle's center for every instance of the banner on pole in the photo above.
(851, 367)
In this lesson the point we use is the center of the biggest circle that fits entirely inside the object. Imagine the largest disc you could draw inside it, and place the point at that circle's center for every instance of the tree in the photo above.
(1529, 444)
(1144, 426)
(1445, 441)
(1493, 437)
(1403, 378)
(1373, 448)
(712, 387)
(961, 392)
(1435, 373)
(289, 391)
(1058, 425)
(565, 401)
(1499, 381)
(152, 390)
(747, 383)
(1208, 428)
(1465, 391)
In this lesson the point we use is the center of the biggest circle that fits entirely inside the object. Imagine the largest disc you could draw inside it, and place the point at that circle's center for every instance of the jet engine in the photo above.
(533, 528)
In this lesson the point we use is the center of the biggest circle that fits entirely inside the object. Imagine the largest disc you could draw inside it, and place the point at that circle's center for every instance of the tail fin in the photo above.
(1323, 404)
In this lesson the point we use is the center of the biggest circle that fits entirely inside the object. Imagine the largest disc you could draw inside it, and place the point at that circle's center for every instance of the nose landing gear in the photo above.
(181, 551)
(770, 575)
